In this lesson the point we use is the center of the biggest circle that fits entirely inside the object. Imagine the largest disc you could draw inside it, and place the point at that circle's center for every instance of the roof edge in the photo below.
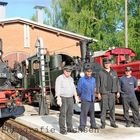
(78, 36)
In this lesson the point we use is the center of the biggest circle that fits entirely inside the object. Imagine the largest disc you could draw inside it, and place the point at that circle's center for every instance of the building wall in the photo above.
(14, 36)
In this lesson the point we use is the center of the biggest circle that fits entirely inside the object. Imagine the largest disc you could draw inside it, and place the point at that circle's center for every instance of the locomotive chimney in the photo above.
(2, 9)
(85, 50)
(40, 13)
(83, 47)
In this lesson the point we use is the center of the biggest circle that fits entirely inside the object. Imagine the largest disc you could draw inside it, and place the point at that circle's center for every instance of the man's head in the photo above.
(128, 71)
(106, 63)
(88, 71)
(67, 70)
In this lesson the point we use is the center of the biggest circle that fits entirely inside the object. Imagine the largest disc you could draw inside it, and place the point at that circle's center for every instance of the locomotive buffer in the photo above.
(45, 74)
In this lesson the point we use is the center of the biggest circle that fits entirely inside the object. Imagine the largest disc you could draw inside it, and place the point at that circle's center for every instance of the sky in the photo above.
(23, 8)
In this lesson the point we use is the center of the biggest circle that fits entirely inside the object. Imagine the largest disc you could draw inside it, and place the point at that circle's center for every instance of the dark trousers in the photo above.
(131, 102)
(66, 113)
(108, 103)
(85, 108)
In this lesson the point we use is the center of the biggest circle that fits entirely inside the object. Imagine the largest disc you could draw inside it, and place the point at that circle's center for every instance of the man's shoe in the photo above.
(94, 127)
(81, 129)
(72, 131)
(128, 125)
(114, 125)
(63, 132)
(103, 126)
(137, 125)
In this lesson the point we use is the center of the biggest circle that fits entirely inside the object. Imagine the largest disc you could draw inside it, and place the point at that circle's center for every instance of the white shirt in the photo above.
(64, 86)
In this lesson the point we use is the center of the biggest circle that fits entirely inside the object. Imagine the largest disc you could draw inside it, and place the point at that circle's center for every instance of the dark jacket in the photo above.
(102, 82)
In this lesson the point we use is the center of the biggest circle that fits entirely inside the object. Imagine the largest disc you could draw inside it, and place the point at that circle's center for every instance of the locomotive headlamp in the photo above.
(82, 74)
(19, 75)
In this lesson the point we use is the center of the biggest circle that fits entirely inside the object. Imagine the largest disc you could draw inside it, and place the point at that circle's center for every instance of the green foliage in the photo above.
(33, 18)
(100, 19)
(53, 14)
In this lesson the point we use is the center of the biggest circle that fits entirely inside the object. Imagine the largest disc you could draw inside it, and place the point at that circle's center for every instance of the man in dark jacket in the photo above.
(86, 91)
(107, 87)
(128, 84)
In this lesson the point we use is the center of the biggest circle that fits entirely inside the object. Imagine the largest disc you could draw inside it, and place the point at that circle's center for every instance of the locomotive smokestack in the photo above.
(84, 48)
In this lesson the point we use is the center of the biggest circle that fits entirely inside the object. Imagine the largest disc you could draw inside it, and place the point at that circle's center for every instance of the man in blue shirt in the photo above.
(86, 91)
(128, 84)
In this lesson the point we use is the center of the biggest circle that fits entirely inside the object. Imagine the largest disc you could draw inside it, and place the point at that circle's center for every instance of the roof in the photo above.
(46, 27)
(99, 53)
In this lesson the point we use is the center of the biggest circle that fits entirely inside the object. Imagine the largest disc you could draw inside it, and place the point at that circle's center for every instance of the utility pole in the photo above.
(126, 25)
(43, 106)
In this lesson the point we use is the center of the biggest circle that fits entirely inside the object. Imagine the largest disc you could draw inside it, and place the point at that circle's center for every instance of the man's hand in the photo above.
(59, 101)
(99, 96)
(77, 100)
(118, 95)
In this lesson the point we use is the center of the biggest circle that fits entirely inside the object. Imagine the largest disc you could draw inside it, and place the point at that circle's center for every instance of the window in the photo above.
(26, 36)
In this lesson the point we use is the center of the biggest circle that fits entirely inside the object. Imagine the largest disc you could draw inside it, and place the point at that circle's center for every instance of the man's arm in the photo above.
(57, 86)
(79, 87)
(58, 91)
(98, 86)
(135, 83)
(118, 87)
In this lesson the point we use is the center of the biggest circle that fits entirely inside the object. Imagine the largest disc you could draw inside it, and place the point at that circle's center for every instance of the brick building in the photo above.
(19, 36)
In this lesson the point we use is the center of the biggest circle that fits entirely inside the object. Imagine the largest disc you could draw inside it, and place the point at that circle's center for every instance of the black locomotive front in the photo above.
(10, 102)
(53, 68)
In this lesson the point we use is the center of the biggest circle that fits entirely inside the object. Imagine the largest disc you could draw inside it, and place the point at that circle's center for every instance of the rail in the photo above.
(18, 131)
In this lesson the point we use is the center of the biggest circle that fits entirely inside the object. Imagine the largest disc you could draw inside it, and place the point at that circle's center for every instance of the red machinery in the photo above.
(122, 57)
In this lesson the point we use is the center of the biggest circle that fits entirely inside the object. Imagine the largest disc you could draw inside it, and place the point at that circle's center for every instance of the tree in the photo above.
(95, 18)
(134, 25)
(100, 19)
(53, 14)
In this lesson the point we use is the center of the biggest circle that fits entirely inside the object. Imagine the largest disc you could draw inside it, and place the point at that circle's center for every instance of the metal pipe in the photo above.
(126, 25)
(43, 109)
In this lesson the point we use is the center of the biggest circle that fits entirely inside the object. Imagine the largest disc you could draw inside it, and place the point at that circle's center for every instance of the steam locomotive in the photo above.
(53, 68)
(10, 100)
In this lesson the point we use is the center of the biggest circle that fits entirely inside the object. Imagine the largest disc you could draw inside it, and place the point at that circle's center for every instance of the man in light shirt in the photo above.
(65, 90)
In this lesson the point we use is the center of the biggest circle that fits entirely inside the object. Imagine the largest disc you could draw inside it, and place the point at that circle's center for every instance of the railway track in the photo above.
(4, 136)
(119, 117)
(16, 131)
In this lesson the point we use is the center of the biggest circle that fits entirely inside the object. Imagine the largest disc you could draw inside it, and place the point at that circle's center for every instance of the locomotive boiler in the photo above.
(10, 101)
